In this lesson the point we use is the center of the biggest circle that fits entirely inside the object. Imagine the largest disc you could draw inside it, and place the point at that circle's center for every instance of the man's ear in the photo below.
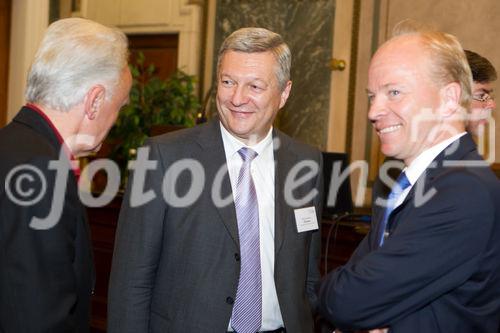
(285, 93)
(94, 100)
(450, 95)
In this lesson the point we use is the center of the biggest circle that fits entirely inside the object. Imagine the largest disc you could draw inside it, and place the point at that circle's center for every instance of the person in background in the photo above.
(210, 263)
(483, 103)
(76, 85)
(430, 261)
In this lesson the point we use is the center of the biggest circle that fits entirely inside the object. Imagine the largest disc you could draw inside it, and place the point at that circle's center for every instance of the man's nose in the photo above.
(240, 96)
(377, 108)
(491, 104)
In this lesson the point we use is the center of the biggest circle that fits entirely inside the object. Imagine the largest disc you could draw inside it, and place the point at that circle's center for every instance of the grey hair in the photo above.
(252, 40)
(74, 55)
(449, 63)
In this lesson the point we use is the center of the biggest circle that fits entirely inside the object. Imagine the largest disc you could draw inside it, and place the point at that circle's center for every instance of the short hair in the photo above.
(481, 68)
(252, 40)
(447, 56)
(74, 55)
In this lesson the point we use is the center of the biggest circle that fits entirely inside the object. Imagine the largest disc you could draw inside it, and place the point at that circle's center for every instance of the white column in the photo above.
(29, 20)
(339, 87)
(187, 18)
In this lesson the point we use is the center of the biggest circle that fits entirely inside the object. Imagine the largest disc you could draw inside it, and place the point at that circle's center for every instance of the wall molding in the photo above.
(29, 20)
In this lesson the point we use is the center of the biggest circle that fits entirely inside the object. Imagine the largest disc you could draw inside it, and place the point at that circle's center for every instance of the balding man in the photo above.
(430, 262)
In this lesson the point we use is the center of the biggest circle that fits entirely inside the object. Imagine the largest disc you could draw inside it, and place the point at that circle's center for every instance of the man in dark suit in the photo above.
(76, 86)
(190, 259)
(430, 262)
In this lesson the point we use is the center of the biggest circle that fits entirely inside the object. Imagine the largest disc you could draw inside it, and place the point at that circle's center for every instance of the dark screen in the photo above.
(341, 199)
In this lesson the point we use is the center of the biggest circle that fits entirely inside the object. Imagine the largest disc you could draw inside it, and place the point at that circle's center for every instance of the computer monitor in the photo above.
(337, 197)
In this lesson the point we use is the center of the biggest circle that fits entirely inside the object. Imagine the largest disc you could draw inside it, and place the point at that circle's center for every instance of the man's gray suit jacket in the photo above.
(176, 268)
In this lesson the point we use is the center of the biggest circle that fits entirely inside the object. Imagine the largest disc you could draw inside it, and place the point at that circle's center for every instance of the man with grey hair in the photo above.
(430, 261)
(211, 263)
(76, 85)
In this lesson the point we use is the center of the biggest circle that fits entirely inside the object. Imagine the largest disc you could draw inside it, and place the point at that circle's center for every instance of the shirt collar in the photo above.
(73, 160)
(232, 144)
(419, 164)
(42, 114)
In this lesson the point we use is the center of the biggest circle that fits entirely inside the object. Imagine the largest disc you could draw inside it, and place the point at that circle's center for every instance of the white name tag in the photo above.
(306, 220)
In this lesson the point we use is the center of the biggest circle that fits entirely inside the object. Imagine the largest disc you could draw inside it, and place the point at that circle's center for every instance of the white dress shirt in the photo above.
(422, 162)
(263, 177)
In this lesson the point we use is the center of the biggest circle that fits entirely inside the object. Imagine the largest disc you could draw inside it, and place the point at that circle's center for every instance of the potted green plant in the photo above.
(153, 103)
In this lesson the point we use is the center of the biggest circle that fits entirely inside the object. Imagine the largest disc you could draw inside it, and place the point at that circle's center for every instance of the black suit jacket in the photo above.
(45, 275)
(439, 270)
(176, 268)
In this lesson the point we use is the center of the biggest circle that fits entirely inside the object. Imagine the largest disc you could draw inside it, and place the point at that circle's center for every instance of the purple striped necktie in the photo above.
(247, 309)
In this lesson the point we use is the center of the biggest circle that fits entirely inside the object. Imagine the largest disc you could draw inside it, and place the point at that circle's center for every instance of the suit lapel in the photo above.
(284, 159)
(435, 169)
(213, 158)
(439, 165)
(377, 216)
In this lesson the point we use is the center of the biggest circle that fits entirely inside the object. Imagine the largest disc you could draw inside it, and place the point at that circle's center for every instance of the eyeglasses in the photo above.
(483, 97)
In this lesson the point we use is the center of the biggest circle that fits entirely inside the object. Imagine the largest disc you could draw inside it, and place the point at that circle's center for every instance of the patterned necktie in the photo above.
(247, 309)
(401, 184)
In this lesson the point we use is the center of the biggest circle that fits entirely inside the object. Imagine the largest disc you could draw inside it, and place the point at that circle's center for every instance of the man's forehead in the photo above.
(483, 86)
(404, 51)
(397, 59)
(406, 46)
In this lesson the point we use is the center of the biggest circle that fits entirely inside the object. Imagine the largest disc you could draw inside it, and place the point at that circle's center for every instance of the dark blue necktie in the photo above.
(401, 184)
(247, 309)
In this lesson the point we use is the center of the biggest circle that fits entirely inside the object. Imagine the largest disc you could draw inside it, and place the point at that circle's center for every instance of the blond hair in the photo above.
(449, 63)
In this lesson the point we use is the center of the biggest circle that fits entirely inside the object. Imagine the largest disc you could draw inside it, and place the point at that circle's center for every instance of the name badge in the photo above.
(306, 219)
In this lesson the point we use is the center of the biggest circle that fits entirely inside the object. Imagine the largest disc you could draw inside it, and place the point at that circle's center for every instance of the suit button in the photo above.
(237, 256)
(229, 300)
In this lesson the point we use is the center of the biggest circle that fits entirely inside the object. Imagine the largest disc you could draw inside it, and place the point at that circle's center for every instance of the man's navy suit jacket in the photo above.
(439, 270)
